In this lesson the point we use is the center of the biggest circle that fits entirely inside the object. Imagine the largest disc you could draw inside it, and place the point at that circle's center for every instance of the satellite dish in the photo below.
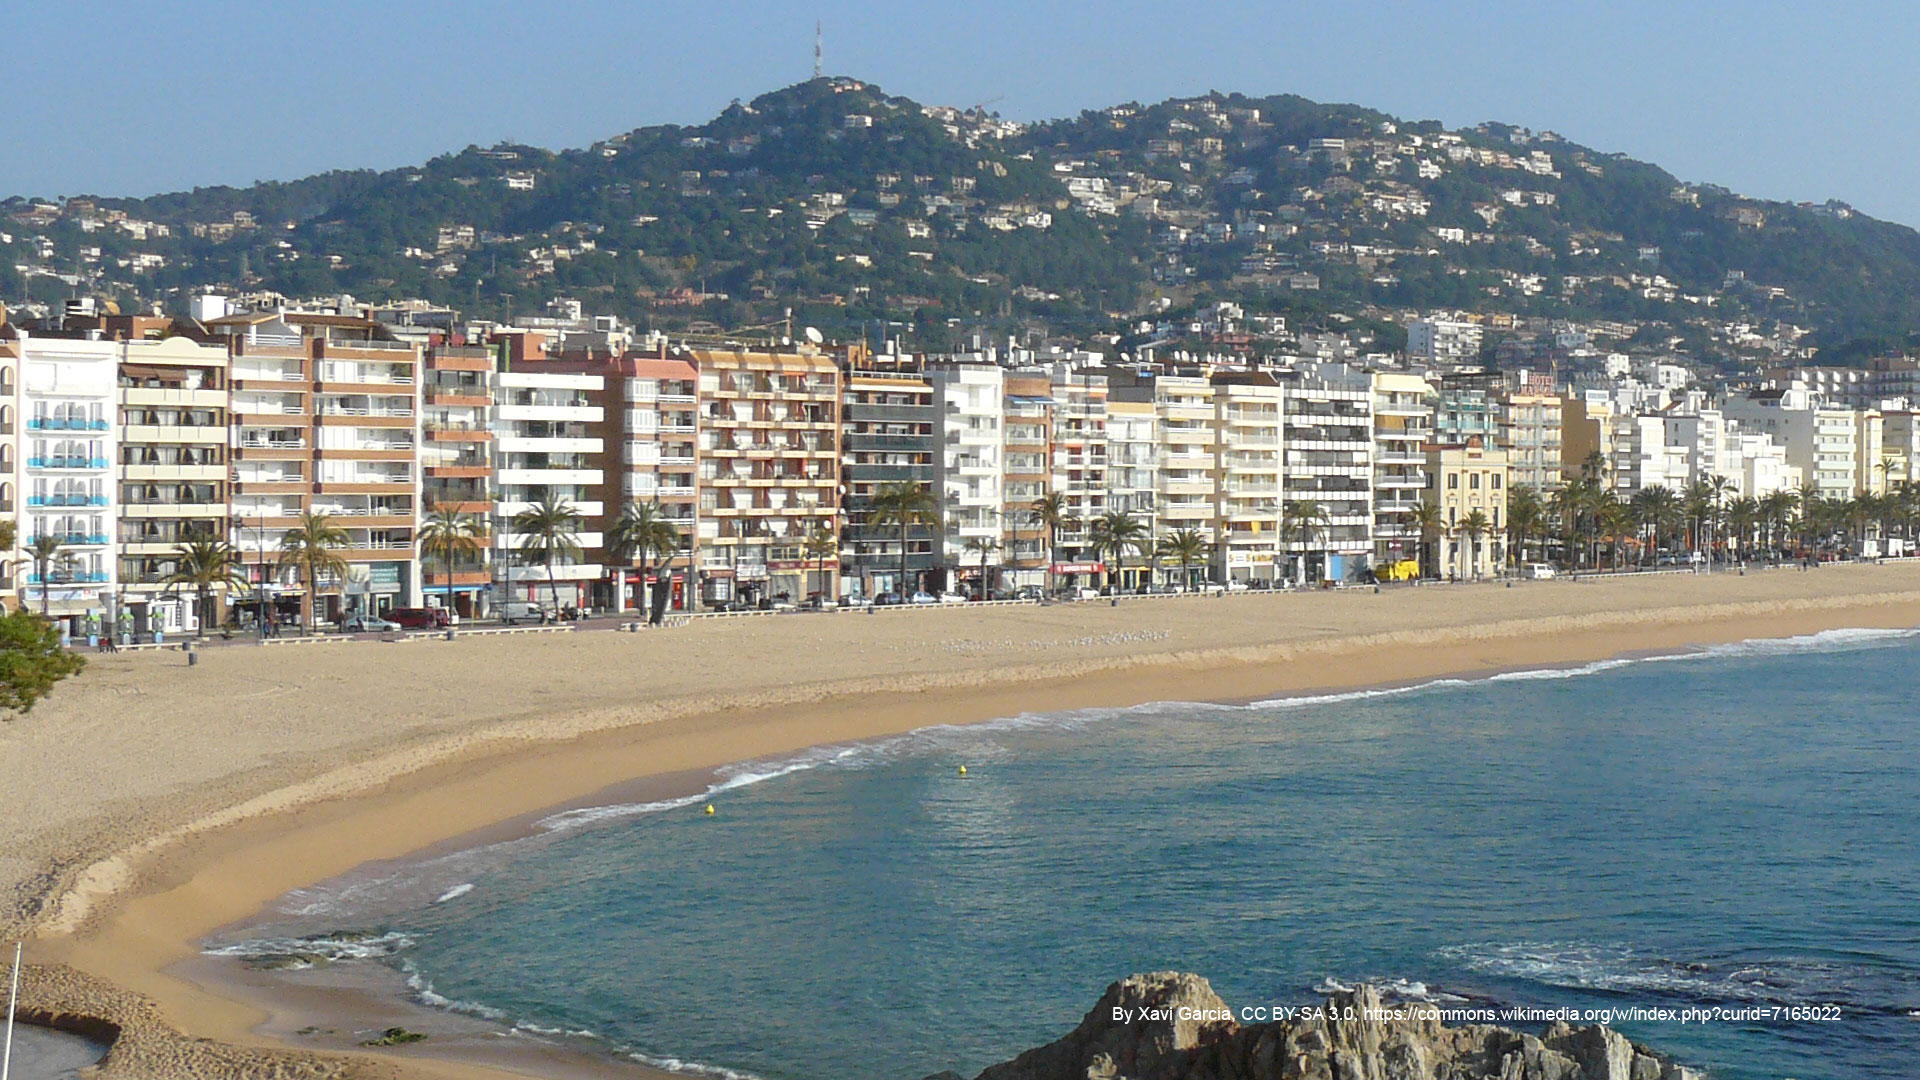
(814, 335)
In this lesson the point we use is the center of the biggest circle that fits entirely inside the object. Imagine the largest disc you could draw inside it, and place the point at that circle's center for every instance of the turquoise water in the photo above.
(1733, 829)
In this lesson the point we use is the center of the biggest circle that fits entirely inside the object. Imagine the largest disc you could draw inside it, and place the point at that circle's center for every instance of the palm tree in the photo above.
(1302, 523)
(1526, 515)
(449, 536)
(904, 505)
(550, 528)
(311, 548)
(44, 550)
(1743, 518)
(1186, 547)
(641, 532)
(820, 546)
(205, 564)
(1776, 510)
(1655, 508)
(1614, 518)
(1115, 533)
(1051, 513)
(1428, 519)
(983, 546)
(1474, 526)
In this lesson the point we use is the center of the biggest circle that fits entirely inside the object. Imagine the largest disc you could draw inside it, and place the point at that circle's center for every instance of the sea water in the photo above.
(1736, 829)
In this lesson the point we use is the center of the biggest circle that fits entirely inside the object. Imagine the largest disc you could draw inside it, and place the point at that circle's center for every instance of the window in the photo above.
(1473, 481)
(1453, 481)
(1493, 481)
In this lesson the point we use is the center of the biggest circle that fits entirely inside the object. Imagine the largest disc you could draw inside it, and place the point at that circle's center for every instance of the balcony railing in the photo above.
(76, 538)
(76, 577)
(66, 463)
(63, 423)
(66, 500)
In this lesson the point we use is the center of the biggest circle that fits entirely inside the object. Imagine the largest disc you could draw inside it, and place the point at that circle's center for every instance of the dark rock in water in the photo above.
(1172, 1026)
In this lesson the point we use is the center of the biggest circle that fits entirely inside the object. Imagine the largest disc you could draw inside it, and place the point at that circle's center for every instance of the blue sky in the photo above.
(1778, 100)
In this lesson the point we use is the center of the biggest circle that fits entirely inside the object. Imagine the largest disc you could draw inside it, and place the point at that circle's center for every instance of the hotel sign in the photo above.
(1078, 567)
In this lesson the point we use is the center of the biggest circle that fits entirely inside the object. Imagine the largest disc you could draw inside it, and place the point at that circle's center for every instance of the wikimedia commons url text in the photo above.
(1696, 1014)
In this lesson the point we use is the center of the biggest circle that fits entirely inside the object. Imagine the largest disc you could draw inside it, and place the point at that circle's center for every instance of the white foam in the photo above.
(424, 990)
(454, 893)
(326, 946)
(690, 1068)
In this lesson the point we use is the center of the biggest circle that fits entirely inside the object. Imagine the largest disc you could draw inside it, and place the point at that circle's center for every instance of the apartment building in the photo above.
(1464, 412)
(648, 436)
(1327, 441)
(1824, 443)
(1402, 425)
(546, 451)
(1079, 468)
(769, 470)
(1246, 475)
(10, 465)
(326, 419)
(68, 400)
(1189, 454)
(653, 416)
(456, 470)
(969, 477)
(1463, 479)
(1530, 429)
(1027, 407)
(890, 435)
(1133, 479)
(173, 476)
(1443, 340)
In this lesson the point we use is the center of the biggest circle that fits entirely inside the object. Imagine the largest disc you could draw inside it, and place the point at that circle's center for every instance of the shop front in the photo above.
(1078, 575)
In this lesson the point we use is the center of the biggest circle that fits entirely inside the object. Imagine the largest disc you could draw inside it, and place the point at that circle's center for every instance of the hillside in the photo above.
(854, 206)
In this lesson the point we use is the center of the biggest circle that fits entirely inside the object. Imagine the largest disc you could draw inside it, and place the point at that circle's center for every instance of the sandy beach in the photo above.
(151, 803)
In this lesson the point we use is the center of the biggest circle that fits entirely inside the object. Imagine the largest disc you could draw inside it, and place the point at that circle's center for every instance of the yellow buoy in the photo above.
(709, 808)
(963, 770)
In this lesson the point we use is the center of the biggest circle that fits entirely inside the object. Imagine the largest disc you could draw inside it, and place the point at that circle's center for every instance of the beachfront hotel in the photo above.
(1026, 445)
(1402, 425)
(1327, 435)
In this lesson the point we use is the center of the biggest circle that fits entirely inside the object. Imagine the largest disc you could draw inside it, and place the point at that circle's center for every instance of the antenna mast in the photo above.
(818, 37)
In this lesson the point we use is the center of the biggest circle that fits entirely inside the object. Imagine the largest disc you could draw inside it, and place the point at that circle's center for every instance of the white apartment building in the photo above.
(1823, 443)
(1443, 340)
(543, 450)
(67, 402)
(970, 457)
(1133, 480)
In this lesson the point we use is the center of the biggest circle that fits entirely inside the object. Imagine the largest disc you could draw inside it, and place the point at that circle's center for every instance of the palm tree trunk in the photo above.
(903, 562)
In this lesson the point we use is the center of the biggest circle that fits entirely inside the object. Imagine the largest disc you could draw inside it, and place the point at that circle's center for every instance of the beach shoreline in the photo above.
(131, 919)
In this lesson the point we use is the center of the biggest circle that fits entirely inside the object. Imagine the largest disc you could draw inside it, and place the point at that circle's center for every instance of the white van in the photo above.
(1537, 571)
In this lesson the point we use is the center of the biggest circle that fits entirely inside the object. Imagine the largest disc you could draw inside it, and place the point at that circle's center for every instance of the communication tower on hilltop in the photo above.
(818, 38)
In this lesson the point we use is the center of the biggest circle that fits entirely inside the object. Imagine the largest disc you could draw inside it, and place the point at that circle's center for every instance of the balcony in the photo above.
(66, 500)
(62, 423)
(75, 539)
(76, 577)
(66, 463)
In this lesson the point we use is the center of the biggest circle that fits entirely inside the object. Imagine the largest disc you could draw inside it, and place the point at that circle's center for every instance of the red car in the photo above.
(419, 618)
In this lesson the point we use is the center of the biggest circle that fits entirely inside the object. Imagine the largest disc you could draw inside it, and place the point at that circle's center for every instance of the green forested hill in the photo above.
(854, 206)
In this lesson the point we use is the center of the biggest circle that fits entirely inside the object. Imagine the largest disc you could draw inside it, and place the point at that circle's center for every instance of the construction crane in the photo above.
(982, 106)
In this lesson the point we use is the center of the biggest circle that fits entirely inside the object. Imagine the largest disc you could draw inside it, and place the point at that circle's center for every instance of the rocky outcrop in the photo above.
(1172, 1026)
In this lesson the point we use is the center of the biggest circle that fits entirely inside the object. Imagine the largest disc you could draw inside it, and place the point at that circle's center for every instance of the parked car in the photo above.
(419, 618)
(368, 624)
(923, 598)
(1537, 571)
(514, 612)
(887, 599)
(1029, 592)
(955, 598)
